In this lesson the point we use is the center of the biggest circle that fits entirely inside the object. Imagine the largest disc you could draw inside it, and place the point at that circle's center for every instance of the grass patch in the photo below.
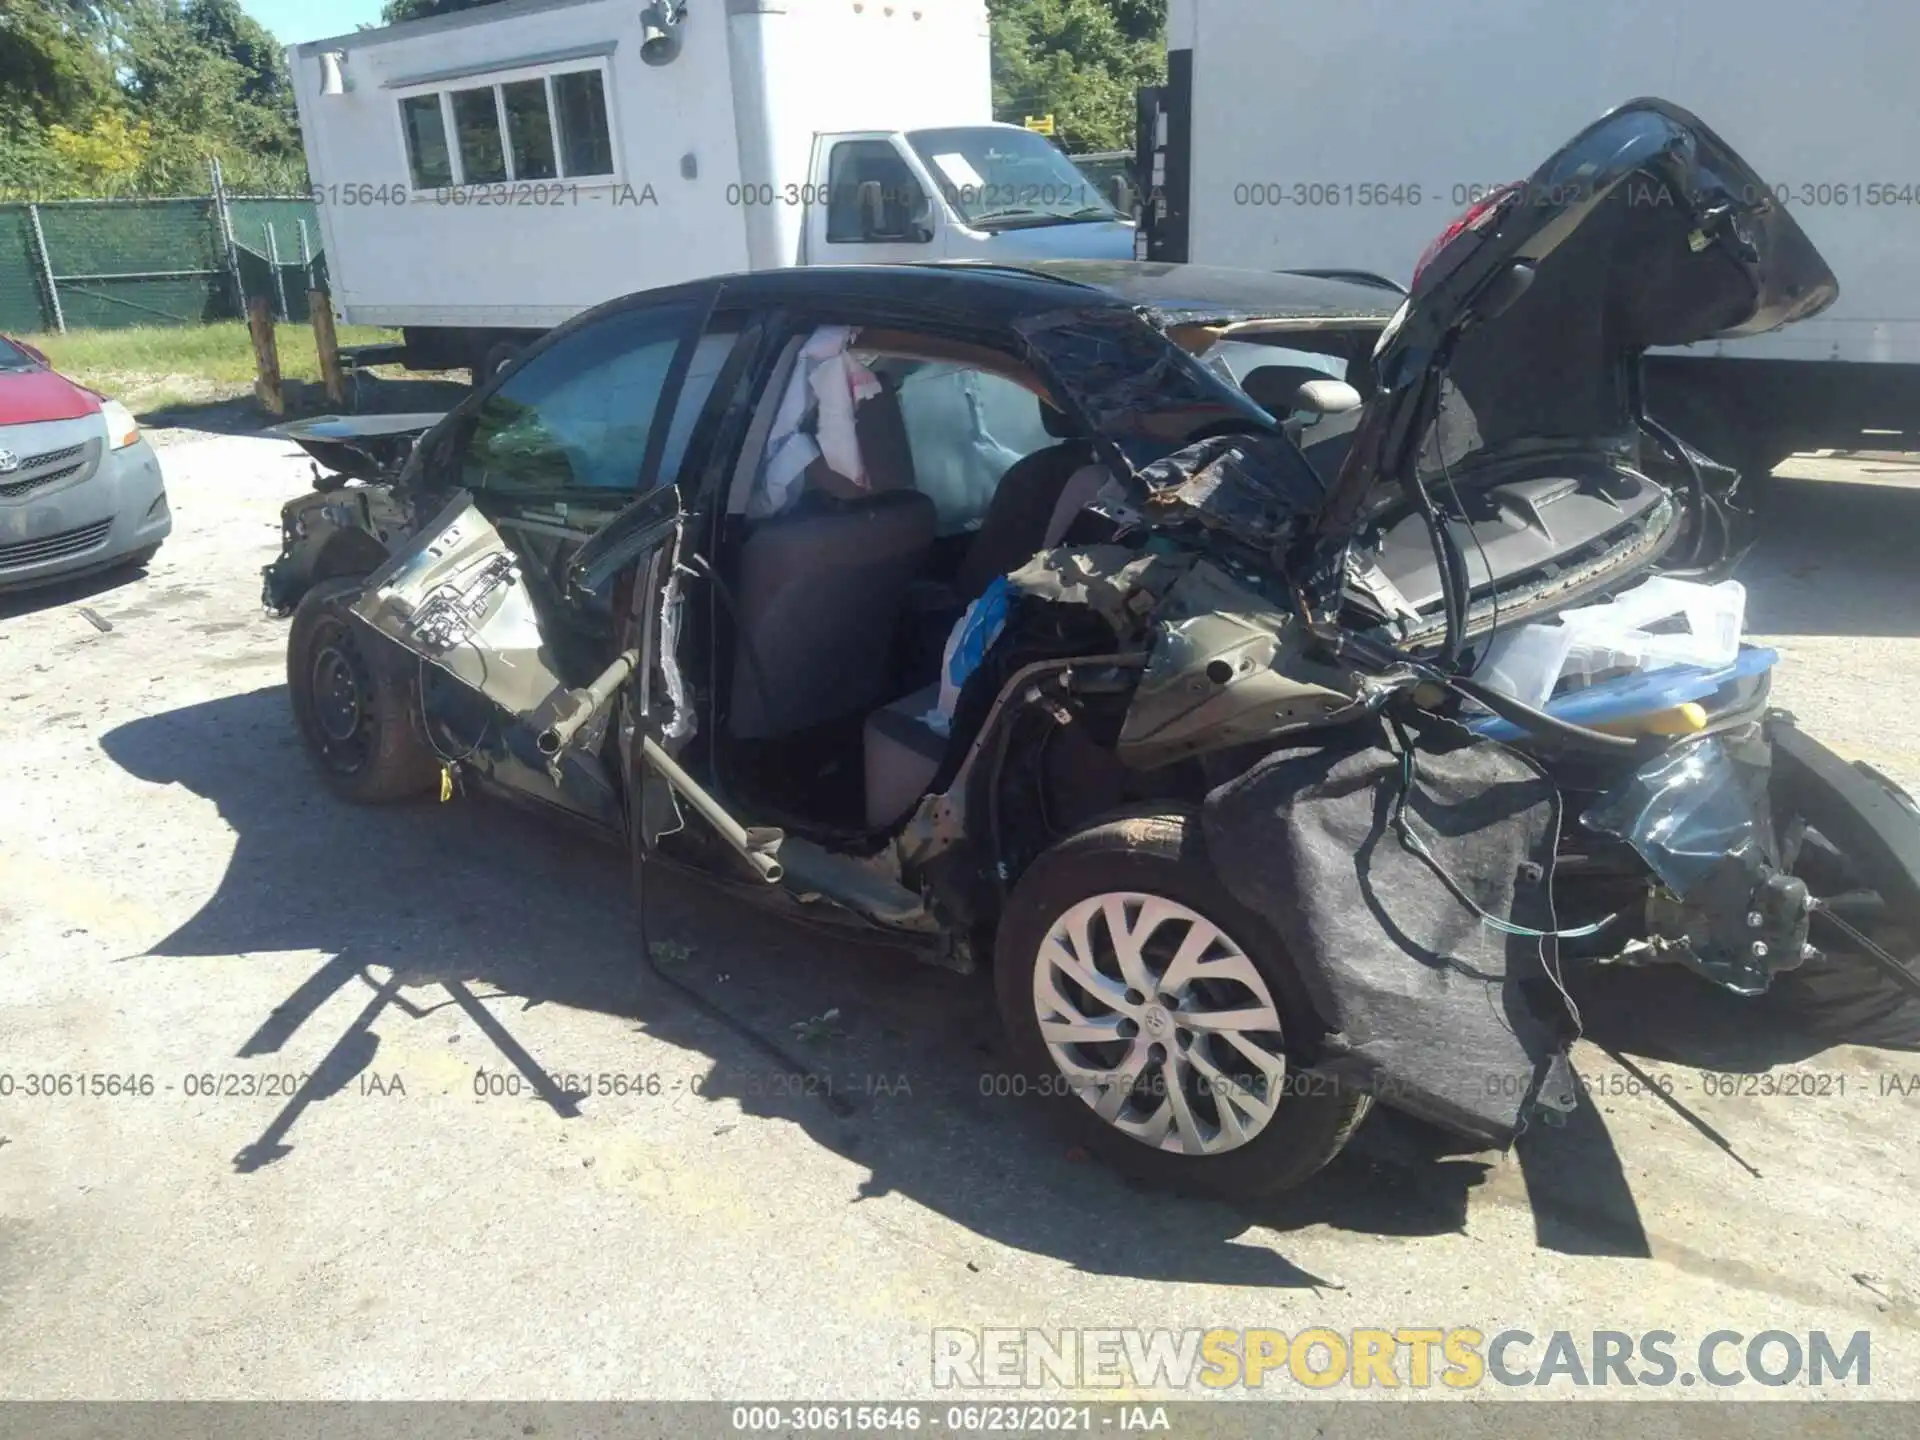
(155, 367)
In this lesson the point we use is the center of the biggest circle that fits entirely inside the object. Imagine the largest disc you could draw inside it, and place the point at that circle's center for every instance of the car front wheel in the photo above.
(1160, 1020)
(354, 702)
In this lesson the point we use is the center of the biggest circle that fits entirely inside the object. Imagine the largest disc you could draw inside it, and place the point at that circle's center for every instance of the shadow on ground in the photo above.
(75, 591)
(421, 907)
(1834, 558)
(368, 393)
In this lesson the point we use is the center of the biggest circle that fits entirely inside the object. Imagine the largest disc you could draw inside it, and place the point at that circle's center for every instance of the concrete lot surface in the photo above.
(361, 1170)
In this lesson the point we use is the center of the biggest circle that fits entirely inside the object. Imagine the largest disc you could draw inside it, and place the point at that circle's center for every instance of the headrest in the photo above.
(1276, 388)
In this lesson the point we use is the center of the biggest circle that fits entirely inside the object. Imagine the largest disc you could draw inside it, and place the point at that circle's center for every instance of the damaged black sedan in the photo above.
(1278, 683)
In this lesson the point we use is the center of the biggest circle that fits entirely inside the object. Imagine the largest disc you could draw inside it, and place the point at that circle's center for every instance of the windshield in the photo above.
(1001, 178)
(12, 357)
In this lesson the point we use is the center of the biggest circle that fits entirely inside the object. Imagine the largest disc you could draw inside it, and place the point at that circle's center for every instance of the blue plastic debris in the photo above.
(1640, 693)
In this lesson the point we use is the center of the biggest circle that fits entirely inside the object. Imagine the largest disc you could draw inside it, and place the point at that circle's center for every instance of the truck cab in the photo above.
(964, 192)
(484, 175)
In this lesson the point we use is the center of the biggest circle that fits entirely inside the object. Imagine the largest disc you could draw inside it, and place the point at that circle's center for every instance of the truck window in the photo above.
(580, 100)
(855, 163)
(578, 414)
(541, 127)
(529, 130)
(476, 126)
(427, 156)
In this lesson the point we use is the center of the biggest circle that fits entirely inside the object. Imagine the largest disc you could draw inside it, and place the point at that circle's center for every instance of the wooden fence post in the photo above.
(266, 357)
(320, 312)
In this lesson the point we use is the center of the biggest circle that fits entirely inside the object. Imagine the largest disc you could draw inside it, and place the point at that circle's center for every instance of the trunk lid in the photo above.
(1644, 230)
(363, 447)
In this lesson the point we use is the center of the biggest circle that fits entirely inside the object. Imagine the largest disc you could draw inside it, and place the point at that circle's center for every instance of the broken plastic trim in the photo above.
(1698, 814)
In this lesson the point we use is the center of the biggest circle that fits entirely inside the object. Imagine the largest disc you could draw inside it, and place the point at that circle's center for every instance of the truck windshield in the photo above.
(12, 357)
(999, 178)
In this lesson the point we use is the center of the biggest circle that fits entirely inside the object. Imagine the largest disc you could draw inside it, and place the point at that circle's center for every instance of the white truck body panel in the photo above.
(740, 106)
(1394, 94)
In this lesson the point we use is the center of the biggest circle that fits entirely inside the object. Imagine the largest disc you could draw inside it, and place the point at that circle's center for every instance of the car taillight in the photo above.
(1479, 213)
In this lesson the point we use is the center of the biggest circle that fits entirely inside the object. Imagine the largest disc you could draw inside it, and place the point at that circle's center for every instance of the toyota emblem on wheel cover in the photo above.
(9, 462)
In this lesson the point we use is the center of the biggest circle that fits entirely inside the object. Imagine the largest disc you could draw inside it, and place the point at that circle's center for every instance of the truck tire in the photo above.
(355, 701)
(1090, 984)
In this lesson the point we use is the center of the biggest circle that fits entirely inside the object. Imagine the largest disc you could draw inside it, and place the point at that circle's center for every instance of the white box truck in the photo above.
(484, 175)
(1348, 136)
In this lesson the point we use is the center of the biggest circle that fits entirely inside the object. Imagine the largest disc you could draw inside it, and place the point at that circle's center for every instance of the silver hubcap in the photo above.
(1160, 1023)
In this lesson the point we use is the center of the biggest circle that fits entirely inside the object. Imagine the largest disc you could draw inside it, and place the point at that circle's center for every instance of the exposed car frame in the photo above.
(1258, 652)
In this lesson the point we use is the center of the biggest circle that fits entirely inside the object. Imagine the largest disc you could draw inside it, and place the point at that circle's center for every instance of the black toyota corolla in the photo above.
(1123, 630)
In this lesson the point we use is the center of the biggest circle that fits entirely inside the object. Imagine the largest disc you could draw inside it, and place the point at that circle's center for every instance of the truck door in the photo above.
(870, 202)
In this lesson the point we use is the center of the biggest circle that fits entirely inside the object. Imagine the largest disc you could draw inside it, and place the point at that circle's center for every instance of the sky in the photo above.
(293, 21)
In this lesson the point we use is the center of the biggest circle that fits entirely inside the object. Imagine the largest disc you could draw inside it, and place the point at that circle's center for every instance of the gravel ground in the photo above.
(180, 900)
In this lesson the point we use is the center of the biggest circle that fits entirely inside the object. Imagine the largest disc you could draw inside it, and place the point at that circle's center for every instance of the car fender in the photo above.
(328, 535)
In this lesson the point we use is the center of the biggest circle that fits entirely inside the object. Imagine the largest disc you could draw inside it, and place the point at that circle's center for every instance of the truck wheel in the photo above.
(1160, 1021)
(355, 702)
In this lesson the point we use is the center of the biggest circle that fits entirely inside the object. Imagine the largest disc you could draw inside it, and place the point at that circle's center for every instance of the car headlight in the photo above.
(122, 428)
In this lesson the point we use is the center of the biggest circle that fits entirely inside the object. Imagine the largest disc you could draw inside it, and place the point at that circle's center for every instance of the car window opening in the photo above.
(902, 477)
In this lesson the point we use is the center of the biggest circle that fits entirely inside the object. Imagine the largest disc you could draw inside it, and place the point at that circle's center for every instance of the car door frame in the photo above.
(610, 560)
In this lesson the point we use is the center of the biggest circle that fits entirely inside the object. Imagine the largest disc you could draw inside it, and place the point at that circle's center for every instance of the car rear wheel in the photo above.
(354, 702)
(1159, 1020)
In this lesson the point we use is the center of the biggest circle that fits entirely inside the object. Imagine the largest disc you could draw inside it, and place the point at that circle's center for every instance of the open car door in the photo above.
(533, 595)
(469, 604)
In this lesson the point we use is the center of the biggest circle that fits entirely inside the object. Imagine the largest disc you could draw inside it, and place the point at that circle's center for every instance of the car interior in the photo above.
(839, 604)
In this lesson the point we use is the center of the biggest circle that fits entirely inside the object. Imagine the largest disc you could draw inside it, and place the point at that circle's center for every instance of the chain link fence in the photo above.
(108, 264)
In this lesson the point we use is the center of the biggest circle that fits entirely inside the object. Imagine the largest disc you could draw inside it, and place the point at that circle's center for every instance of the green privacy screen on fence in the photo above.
(115, 263)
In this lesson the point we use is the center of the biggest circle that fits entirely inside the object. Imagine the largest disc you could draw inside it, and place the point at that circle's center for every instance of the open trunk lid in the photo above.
(1644, 230)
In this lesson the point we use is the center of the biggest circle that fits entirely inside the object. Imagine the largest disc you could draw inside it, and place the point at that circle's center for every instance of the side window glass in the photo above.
(580, 101)
(709, 356)
(872, 195)
(426, 131)
(476, 125)
(578, 415)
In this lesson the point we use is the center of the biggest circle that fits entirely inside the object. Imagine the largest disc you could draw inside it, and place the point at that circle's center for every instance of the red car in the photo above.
(80, 489)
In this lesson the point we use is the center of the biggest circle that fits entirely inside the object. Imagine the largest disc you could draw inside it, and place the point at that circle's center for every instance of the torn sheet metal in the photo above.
(1121, 585)
(365, 447)
(454, 596)
(1431, 1007)
(1228, 668)
(1139, 396)
(1700, 816)
(1258, 487)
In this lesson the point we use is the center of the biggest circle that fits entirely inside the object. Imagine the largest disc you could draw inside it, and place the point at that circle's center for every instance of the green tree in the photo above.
(134, 97)
(53, 67)
(1080, 61)
(394, 11)
(210, 81)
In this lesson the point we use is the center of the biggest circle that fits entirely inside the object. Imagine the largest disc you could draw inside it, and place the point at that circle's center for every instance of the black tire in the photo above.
(1163, 855)
(355, 702)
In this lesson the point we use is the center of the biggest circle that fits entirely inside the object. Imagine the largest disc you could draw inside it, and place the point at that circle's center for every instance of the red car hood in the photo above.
(29, 395)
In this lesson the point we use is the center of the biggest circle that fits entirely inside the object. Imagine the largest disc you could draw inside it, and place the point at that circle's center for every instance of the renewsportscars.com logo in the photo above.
(1417, 1358)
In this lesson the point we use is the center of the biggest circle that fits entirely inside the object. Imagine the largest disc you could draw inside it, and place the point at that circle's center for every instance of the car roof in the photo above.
(1001, 293)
